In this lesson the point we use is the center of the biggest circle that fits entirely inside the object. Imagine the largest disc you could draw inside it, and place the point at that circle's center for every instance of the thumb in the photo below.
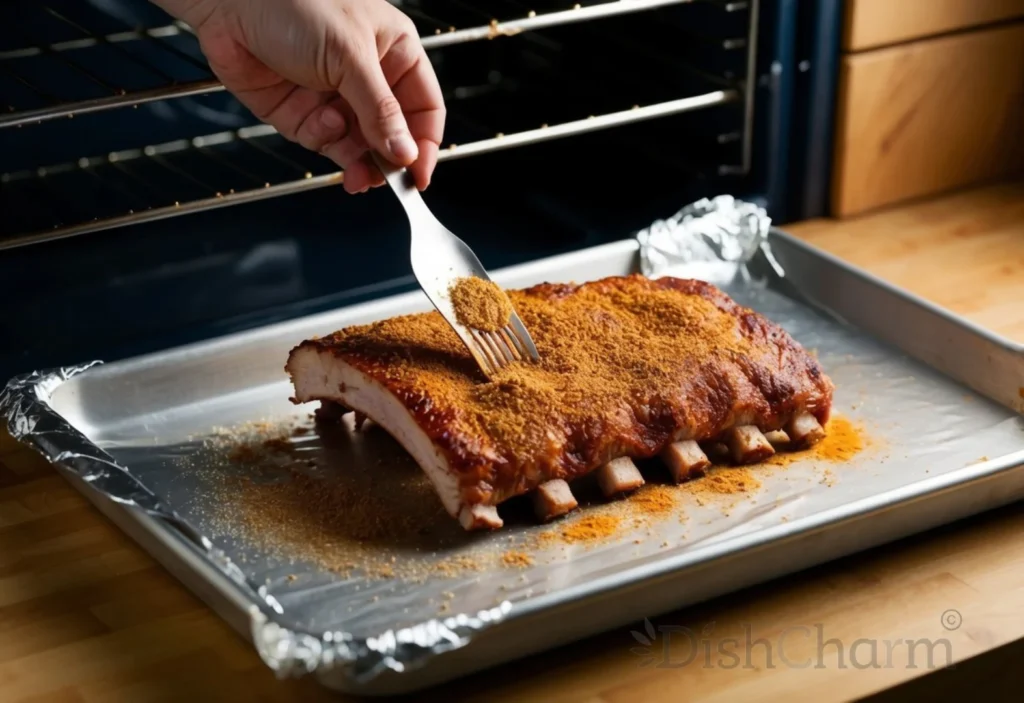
(379, 113)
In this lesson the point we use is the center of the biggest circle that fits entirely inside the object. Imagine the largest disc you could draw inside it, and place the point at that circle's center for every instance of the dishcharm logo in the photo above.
(799, 647)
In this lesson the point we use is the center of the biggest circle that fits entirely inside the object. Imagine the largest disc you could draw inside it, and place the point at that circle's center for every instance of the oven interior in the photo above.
(142, 207)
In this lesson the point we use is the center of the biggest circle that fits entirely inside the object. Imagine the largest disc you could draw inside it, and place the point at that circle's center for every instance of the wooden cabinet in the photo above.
(874, 23)
(926, 116)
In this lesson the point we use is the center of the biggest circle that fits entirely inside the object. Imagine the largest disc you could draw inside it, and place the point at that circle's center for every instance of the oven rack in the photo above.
(438, 28)
(120, 175)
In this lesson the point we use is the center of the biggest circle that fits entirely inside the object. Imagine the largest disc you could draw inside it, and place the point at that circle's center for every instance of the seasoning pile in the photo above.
(480, 304)
(843, 441)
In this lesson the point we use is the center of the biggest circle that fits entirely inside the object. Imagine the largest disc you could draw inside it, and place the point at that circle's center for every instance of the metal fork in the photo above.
(439, 258)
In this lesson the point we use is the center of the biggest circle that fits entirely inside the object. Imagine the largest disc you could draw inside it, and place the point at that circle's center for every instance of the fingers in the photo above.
(346, 153)
(377, 110)
(357, 177)
(416, 87)
(299, 114)
(423, 168)
(408, 69)
(324, 125)
(351, 154)
(427, 127)
(364, 174)
(420, 103)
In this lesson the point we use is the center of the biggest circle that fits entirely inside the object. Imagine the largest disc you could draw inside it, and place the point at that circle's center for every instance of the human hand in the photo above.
(340, 77)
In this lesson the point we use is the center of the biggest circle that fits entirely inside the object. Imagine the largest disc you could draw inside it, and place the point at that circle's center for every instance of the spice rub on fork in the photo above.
(486, 312)
(629, 368)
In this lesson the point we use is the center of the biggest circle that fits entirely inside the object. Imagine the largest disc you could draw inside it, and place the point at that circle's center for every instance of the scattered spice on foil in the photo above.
(274, 488)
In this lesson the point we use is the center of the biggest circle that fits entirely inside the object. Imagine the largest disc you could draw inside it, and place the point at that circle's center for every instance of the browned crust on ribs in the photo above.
(658, 361)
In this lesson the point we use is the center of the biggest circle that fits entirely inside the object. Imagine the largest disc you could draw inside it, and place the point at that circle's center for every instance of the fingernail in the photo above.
(403, 148)
(331, 118)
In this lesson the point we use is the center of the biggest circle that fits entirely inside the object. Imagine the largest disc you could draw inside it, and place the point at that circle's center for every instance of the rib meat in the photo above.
(630, 368)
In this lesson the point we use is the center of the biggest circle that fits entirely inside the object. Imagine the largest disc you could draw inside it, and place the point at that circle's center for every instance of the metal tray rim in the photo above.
(946, 314)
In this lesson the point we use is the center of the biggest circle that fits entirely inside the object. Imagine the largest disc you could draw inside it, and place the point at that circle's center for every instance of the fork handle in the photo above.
(398, 177)
(402, 184)
(394, 175)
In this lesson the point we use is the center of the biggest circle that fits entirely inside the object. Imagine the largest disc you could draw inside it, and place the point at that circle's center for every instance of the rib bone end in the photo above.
(553, 499)
(619, 476)
(361, 420)
(748, 445)
(480, 517)
(686, 460)
(804, 430)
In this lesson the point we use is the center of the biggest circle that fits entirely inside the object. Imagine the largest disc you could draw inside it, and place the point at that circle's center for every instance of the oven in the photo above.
(141, 207)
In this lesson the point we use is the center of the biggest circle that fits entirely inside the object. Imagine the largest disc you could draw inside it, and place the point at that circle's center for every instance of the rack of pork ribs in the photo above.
(630, 368)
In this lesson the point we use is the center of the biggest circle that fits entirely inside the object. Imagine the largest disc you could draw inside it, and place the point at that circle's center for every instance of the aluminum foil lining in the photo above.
(30, 419)
(25, 403)
(711, 239)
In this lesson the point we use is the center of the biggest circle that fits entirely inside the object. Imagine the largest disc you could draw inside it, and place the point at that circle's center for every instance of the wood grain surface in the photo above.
(87, 616)
(870, 24)
(922, 118)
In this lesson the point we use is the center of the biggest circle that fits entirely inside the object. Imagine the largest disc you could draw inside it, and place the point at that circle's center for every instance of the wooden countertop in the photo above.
(87, 616)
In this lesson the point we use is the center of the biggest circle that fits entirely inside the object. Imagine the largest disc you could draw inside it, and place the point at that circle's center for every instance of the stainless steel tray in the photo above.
(939, 398)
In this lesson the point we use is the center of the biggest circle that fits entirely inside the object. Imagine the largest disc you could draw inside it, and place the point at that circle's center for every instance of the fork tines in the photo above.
(499, 349)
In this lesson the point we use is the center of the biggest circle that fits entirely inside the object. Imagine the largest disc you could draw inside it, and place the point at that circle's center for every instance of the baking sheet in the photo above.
(174, 422)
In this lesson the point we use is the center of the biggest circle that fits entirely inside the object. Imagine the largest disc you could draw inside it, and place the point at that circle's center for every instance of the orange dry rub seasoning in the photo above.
(655, 500)
(480, 304)
(516, 559)
(727, 480)
(843, 441)
(590, 528)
